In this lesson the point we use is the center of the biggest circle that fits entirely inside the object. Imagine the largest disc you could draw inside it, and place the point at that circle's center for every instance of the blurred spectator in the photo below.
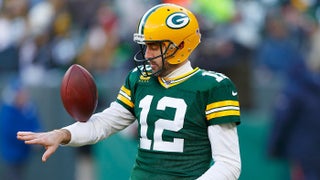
(214, 11)
(50, 42)
(300, 23)
(98, 53)
(224, 49)
(17, 113)
(184, 3)
(13, 25)
(295, 134)
(277, 51)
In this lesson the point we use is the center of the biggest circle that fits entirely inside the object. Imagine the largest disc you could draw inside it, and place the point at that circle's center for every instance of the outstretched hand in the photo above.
(49, 140)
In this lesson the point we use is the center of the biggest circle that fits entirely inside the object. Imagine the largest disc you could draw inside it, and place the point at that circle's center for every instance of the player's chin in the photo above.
(155, 70)
(159, 73)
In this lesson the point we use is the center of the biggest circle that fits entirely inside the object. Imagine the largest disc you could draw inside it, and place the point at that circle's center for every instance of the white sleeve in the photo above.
(225, 153)
(101, 125)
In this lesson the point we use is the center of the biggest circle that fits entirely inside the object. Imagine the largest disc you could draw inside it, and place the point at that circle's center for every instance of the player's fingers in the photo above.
(26, 137)
(23, 134)
(35, 141)
(31, 138)
(50, 150)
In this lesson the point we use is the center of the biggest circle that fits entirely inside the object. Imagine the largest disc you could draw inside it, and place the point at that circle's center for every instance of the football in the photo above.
(79, 93)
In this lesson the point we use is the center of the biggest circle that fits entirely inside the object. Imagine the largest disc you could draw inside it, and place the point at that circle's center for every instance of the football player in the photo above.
(187, 117)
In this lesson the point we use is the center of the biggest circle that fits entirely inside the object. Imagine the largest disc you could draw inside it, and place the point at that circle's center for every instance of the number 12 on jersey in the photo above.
(162, 124)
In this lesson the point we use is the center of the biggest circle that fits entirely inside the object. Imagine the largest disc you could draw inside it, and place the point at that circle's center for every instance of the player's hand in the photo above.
(49, 140)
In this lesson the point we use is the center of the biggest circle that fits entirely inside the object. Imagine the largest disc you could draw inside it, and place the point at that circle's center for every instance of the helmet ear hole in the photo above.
(181, 45)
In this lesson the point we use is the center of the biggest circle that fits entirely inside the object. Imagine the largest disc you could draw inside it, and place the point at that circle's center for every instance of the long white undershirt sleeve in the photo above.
(101, 125)
(225, 153)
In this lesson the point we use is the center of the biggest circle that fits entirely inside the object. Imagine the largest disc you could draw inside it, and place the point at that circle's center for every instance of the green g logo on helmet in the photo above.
(177, 20)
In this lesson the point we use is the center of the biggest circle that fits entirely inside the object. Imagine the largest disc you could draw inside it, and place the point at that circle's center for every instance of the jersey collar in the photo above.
(169, 82)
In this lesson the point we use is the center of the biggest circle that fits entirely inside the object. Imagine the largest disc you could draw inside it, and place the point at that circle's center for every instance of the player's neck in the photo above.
(186, 67)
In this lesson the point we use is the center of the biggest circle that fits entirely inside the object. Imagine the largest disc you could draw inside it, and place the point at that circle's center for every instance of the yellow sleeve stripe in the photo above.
(222, 108)
(223, 113)
(222, 104)
(125, 90)
(125, 100)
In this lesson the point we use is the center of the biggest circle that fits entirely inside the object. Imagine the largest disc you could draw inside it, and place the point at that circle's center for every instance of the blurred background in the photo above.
(262, 45)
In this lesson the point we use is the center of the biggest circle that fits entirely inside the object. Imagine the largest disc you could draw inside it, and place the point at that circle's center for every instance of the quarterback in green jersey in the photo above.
(187, 117)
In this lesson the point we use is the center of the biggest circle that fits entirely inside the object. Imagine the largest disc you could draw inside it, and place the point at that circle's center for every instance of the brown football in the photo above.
(79, 93)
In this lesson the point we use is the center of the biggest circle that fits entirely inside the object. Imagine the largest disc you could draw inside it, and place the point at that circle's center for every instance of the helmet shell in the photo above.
(173, 23)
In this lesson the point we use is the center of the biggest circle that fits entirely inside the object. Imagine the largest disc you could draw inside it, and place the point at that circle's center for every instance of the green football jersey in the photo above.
(173, 118)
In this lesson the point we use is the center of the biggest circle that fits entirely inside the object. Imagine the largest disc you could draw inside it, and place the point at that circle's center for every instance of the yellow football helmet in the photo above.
(169, 24)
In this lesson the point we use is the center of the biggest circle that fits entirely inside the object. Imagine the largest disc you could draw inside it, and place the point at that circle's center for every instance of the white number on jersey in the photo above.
(162, 124)
(218, 76)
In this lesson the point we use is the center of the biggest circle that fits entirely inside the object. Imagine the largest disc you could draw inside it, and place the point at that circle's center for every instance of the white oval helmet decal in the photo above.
(177, 20)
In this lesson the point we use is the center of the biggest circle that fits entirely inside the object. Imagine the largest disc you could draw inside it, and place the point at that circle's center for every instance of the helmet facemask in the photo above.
(167, 50)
